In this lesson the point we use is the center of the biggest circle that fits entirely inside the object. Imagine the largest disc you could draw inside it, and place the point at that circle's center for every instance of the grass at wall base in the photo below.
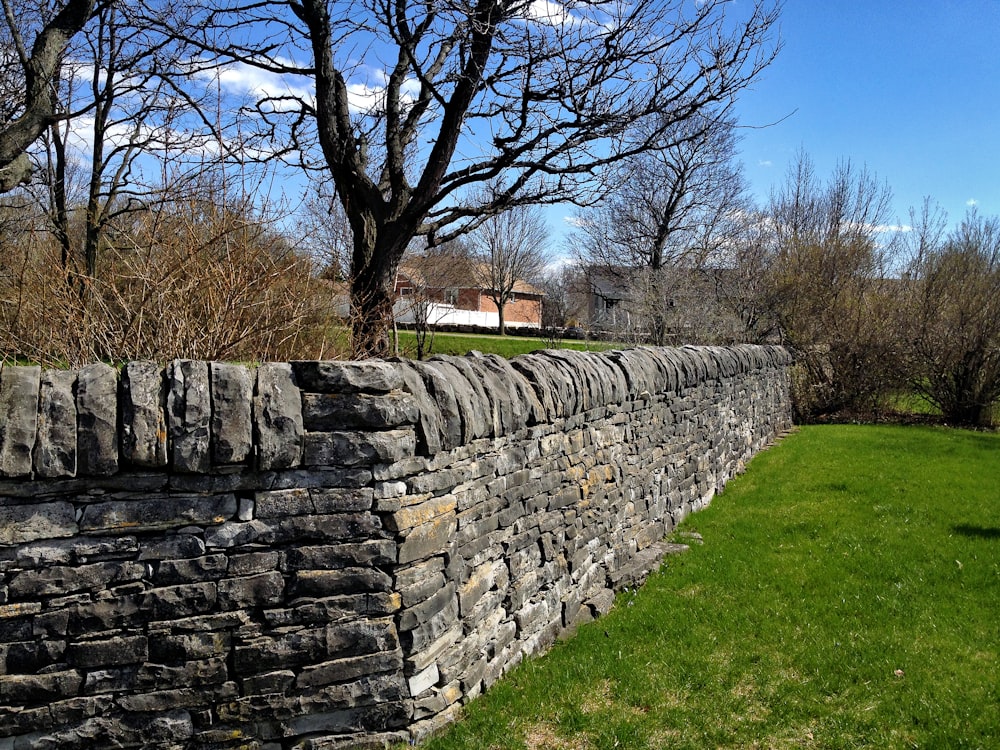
(847, 595)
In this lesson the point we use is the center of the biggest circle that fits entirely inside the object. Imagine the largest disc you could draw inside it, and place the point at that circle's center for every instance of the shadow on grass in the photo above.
(983, 532)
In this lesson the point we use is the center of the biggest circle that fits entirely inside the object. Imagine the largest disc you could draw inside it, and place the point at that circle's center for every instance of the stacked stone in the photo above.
(322, 554)
(211, 574)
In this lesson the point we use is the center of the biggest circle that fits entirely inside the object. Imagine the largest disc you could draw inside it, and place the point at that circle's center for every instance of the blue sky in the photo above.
(911, 90)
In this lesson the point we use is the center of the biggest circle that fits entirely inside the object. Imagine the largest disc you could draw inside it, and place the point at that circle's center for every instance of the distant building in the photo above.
(691, 305)
(442, 290)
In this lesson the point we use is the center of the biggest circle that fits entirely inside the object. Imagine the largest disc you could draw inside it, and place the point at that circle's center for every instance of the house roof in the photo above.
(443, 271)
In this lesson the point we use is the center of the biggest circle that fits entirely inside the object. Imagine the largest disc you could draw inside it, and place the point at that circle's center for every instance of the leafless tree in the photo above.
(116, 109)
(564, 303)
(322, 231)
(672, 208)
(33, 39)
(746, 269)
(831, 285)
(430, 273)
(508, 249)
(536, 97)
(953, 315)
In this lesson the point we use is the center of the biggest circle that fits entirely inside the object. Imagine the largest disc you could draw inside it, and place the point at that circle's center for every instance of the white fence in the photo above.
(439, 314)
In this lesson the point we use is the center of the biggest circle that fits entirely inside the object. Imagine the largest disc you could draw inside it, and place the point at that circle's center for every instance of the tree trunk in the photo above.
(502, 327)
(372, 281)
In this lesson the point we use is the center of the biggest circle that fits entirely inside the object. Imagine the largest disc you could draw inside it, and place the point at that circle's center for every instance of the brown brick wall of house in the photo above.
(521, 310)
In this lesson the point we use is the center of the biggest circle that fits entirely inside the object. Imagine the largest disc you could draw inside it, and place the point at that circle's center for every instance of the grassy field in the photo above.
(505, 346)
(847, 595)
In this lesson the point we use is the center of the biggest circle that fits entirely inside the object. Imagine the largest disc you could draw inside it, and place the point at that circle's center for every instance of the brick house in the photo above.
(444, 290)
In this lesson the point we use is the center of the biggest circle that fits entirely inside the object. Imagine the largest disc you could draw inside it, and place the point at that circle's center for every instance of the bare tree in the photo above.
(536, 97)
(117, 109)
(428, 275)
(323, 232)
(33, 39)
(564, 303)
(509, 248)
(953, 315)
(745, 276)
(831, 285)
(672, 208)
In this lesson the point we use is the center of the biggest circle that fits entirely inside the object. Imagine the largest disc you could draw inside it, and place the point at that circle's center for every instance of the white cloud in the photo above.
(548, 12)
(364, 93)
(765, 163)
(972, 202)
(240, 78)
(553, 13)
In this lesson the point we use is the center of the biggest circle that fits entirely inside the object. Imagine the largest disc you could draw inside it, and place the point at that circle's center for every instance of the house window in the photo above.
(451, 296)
(405, 291)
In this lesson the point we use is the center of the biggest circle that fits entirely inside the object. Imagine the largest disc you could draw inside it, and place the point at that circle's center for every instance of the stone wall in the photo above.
(323, 554)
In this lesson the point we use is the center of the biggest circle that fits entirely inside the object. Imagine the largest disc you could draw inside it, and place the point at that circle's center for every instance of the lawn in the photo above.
(505, 346)
(847, 595)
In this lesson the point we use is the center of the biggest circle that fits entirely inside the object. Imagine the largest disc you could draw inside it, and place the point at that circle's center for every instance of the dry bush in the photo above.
(194, 278)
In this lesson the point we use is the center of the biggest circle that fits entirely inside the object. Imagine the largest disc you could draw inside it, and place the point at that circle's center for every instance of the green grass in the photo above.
(505, 346)
(847, 595)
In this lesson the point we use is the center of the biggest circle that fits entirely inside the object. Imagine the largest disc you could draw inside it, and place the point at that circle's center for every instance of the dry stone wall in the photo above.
(336, 554)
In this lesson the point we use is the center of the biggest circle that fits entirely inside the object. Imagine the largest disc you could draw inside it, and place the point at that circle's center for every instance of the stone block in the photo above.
(329, 412)
(26, 523)
(278, 417)
(428, 631)
(480, 581)
(144, 424)
(232, 422)
(358, 448)
(107, 614)
(367, 376)
(341, 581)
(19, 388)
(201, 673)
(427, 539)
(157, 513)
(173, 547)
(191, 570)
(429, 424)
(252, 563)
(331, 556)
(174, 602)
(332, 609)
(473, 406)
(261, 590)
(189, 416)
(60, 580)
(108, 653)
(440, 389)
(441, 600)
(22, 690)
(271, 682)
(283, 503)
(55, 446)
(423, 681)
(181, 648)
(342, 499)
(351, 668)
(425, 512)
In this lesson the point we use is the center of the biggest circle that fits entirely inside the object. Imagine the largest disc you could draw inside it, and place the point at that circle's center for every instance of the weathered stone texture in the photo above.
(144, 424)
(333, 555)
(18, 418)
(189, 414)
(277, 413)
(55, 448)
(232, 423)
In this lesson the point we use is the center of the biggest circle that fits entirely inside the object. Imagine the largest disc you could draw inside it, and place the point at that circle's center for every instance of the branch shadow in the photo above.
(982, 532)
